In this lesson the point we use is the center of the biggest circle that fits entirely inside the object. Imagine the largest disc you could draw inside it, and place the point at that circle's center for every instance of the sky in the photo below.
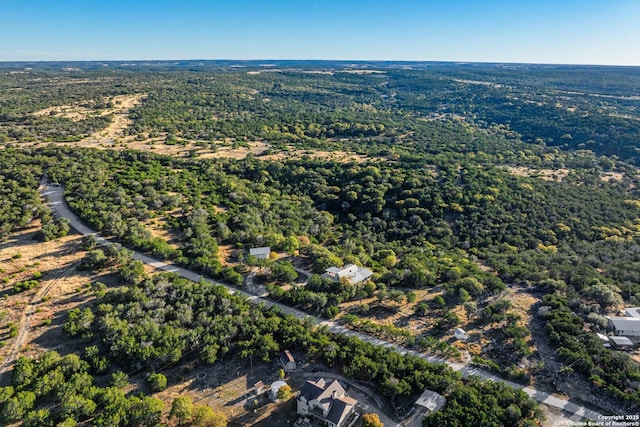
(544, 31)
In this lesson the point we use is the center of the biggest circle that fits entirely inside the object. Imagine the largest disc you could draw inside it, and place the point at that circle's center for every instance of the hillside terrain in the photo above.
(500, 200)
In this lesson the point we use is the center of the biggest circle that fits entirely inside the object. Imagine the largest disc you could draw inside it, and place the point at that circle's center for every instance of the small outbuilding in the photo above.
(460, 334)
(260, 253)
(621, 342)
(287, 361)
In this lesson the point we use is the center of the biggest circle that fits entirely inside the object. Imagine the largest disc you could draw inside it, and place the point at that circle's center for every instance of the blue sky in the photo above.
(543, 31)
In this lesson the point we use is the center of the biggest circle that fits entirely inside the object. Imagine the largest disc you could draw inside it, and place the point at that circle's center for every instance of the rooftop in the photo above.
(632, 312)
(286, 356)
(431, 400)
(266, 250)
(351, 272)
(625, 323)
(331, 399)
(621, 341)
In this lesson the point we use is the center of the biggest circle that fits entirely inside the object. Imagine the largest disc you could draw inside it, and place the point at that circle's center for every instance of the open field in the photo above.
(40, 312)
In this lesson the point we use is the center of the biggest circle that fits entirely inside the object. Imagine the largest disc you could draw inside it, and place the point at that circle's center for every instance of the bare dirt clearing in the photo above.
(158, 227)
(546, 174)
(38, 313)
(558, 174)
(118, 105)
(338, 156)
(229, 388)
(120, 110)
(216, 150)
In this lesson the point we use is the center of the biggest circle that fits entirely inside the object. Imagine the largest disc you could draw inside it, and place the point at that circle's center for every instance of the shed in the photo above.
(260, 253)
(632, 312)
(287, 361)
(621, 341)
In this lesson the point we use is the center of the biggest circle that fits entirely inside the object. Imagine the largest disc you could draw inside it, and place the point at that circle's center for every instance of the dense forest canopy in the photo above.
(476, 182)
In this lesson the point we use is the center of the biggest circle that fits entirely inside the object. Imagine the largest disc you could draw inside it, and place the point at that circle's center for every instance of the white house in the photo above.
(260, 253)
(326, 402)
(351, 272)
(431, 400)
(625, 326)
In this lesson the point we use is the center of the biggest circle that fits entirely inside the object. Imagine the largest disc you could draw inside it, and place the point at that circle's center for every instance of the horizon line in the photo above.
(423, 61)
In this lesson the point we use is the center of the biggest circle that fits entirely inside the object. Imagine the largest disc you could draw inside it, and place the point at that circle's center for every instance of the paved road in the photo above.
(58, 205)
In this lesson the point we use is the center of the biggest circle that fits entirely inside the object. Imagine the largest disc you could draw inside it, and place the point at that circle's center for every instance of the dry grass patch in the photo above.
(337, 156)
(226, 150)
(72, 112)
(39, 312)
(546, 174)
(612, 176)
(158, 227)
(228, 255)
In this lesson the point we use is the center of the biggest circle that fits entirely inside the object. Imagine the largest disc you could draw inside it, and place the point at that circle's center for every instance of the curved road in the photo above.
(58, 205)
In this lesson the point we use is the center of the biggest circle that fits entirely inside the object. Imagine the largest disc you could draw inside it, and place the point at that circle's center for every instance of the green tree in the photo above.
(182, 410)
(132, 272)
(204, 416)
(119, 379)
(37, 418)
(93, 260)
(144, 411)
(284, 272)
(157, 382)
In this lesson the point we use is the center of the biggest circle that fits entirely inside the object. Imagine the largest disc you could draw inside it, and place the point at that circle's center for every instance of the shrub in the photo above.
(24, 286)
(157, 382)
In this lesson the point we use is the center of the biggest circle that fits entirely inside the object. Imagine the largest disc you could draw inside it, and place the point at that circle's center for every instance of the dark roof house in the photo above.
(327, 402)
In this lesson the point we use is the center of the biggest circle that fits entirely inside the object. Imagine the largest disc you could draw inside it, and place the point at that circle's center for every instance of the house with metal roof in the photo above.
(632, 312)
(328, 403)
(625, 326)
(621, 342)
(351, 272)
